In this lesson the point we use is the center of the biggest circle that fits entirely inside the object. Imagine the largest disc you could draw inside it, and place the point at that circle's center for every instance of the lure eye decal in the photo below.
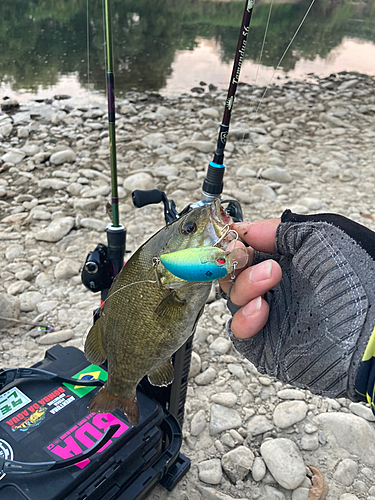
(221, 261)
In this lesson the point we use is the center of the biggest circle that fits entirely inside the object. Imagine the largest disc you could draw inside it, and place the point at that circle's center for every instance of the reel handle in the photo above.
(142, 197)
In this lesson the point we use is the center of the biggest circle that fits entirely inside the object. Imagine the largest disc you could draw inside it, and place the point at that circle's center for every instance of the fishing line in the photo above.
(281, 59)
(260, 57)
(263, 43)
(88, 50)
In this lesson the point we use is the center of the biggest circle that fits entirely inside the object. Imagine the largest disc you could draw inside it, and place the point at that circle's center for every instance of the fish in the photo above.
(149, 313)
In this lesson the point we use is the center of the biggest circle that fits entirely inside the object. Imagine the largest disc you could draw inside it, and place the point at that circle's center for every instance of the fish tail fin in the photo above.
(104, 402)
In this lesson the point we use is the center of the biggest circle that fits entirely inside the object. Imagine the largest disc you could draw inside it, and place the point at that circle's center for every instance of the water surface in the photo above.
(50, 47)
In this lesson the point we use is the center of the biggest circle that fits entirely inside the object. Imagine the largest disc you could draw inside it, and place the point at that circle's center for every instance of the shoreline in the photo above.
(310, 148)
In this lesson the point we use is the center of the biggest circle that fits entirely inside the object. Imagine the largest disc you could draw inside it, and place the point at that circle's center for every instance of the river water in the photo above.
(54, 47)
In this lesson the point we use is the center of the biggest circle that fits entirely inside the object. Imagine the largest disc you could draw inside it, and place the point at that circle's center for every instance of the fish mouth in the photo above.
(221, 222)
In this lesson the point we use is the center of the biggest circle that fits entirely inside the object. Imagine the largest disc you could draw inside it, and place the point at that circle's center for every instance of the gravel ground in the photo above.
(310, 148)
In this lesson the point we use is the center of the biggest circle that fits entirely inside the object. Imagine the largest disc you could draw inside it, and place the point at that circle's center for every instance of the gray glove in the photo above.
(321, 315)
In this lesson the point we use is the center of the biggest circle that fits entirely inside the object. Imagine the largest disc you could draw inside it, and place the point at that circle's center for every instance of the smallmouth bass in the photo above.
(149, 313)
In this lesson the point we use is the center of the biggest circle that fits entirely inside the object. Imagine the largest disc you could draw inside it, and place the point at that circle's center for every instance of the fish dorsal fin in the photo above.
(170, 301)
(163, 376)
(94, 351)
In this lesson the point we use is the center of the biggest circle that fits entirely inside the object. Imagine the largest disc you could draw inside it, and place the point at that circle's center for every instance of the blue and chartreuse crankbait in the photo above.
(204, 263)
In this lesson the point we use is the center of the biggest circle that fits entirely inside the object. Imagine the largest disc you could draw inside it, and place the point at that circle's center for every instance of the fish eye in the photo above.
(189, 227)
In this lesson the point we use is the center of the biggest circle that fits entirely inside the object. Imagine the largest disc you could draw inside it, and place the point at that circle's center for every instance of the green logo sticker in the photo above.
(91, 372)
(12, 401)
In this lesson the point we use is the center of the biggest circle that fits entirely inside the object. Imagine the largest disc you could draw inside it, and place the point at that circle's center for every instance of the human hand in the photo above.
(252, 282)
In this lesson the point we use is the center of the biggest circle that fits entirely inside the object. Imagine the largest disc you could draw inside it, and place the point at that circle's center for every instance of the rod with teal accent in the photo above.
(213, 183)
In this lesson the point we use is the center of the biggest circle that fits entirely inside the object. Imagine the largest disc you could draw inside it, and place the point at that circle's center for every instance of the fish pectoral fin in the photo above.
(163, 376)
(104, 402)
(169, 302)
(94, 351)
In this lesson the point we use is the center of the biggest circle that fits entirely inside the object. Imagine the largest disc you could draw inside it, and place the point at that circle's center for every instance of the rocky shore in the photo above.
(309, 147)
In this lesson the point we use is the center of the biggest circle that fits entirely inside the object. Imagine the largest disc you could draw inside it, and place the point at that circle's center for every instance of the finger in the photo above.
(255, 281)
(260, 235)
(250, 319)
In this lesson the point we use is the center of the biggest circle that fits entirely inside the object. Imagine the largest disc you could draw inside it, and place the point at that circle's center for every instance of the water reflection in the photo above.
(172, 45)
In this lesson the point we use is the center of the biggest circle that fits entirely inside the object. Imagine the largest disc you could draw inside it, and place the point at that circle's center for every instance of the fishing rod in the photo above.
(106, 261)
(213, 182)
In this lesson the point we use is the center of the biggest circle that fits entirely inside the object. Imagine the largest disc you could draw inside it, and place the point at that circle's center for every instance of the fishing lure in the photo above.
(204, 263)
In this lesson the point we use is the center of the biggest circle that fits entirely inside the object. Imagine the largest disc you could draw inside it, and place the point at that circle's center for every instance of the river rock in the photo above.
(214, 494)
(14, 156)
(66, 269)
(221, 345)
(210, 471)
(18, 287)
(140, 180)
(195, 364)
(259, 469)
(259, 424)
(263, 191)
(284, 461)
(65, 156)
(56, 337)
(277, 175)
(227, 399)
(154, 140)
(198, 423)
(289, 413)
(237, 463)
(346, 471)
(56, 230)
(223, 419)
(95, 224)
(362, 411)
(290, 394)
(29, 300)
(359, 441)
(10, 308)
(206, 377)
